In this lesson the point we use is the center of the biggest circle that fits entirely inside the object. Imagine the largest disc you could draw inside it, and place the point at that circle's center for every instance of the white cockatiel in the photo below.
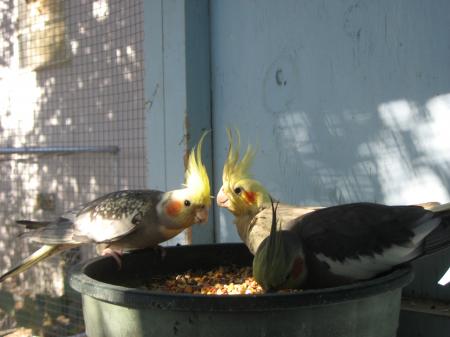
(124, 220)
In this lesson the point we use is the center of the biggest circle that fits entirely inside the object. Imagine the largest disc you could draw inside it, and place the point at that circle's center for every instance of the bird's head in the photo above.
(279, 262)
(240, 193)
(190, 205)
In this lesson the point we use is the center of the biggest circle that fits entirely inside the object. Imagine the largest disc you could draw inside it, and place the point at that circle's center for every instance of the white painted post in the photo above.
(177, 75)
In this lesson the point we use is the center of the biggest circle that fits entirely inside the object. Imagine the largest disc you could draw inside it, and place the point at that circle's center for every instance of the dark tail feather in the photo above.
(439, 238)
(31, 224)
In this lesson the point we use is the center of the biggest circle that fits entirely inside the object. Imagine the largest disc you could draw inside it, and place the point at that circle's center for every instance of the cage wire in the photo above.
(71, 76)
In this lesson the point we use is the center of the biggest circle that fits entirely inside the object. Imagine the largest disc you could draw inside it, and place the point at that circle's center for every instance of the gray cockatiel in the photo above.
(125, 220)
(249, 202)
(346, 243)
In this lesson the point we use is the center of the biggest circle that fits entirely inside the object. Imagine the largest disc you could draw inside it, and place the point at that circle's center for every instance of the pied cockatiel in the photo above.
(125, 220)
(347, 243)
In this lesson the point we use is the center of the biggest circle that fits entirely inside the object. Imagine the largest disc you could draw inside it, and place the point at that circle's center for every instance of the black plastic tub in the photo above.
(113, 306)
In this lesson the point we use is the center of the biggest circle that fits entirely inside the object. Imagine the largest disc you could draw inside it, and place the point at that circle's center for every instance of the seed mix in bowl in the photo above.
(222, 280)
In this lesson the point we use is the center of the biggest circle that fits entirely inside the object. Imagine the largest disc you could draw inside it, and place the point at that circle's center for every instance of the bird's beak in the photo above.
(222, 199)
(201, 215)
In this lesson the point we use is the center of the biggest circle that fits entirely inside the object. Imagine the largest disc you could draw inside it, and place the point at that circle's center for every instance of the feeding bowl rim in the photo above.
(141, 298)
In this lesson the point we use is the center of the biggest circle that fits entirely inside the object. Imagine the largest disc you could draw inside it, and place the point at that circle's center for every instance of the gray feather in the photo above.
(39, 255)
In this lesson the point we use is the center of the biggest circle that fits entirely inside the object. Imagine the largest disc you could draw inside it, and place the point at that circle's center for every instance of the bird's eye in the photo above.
(187, 203)
(237, 190)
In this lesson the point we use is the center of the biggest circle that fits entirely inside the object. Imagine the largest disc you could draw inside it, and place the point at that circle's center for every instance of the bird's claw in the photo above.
(116, 255)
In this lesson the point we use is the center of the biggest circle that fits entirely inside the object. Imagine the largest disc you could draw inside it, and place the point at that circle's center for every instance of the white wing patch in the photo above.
(445, 279)
(368, 266)
(100, 229)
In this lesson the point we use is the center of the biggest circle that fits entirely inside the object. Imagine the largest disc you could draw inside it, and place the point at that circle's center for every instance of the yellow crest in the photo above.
(196, 177)
(237, 171)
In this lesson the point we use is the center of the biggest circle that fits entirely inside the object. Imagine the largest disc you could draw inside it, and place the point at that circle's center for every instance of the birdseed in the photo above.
(223, 280)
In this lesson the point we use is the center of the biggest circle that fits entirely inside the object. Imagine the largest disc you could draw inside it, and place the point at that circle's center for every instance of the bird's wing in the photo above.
(105, 219)
(115, 215)
(362, 239)
(254, 231)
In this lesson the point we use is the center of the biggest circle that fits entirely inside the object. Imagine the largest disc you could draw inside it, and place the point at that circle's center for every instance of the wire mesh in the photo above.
(71, 75)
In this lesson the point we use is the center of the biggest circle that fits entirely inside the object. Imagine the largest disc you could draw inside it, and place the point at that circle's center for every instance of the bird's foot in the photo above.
(115, 254)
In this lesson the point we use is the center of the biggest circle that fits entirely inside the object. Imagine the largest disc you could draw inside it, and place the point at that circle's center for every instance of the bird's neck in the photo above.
(248, 230)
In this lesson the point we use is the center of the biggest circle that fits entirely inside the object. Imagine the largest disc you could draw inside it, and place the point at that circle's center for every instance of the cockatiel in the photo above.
(125, 220)
(346, 243)
(250, 202)
(247, 198)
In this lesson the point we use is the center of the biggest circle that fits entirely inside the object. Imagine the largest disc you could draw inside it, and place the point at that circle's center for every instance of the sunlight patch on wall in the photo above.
(69, 183)
(411, 149)
(26, 175)
(100, 10)
(131, 53)
(399, 115)
(94, 186)
(421, 186)
(435, 135)
(295, 127)
(74, 44)
(20, 95)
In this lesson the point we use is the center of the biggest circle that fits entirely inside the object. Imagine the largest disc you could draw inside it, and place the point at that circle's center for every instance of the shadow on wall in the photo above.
(399, 154)
(360, 103)
(96, 98)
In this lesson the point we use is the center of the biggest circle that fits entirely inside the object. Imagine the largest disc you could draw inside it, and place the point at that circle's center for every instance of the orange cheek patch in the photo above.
(250, 196)
(173, 208)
